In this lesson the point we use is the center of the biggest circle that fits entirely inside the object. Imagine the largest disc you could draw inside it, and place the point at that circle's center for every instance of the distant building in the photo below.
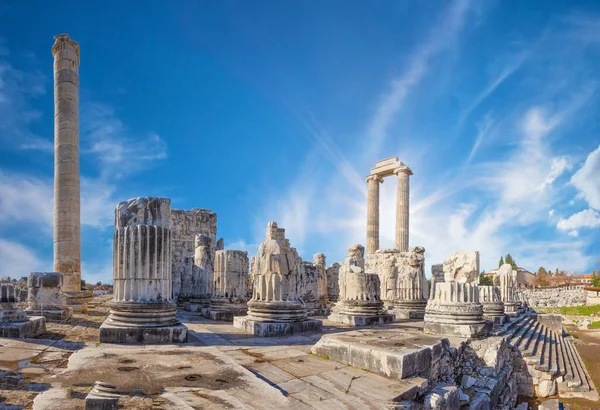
(525, 279)
(583, 279)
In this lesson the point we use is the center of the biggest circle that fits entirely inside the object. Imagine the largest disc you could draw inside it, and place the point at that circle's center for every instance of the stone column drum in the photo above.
(142, 310)
(322, 304)
(230, 286)
(67, 229)
(455, 309)
(46, 298)
(505, 280)
(333, 286)
(411, 289)
(402, 207)
(276, 308)
(359, 301)
(202, 275)
(437, 276)
(373, 182)
(490, 299)
(14, 322)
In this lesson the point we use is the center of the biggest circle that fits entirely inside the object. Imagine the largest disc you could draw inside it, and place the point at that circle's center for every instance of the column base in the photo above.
(147, 335)
(223, 309)
(102, 397)
(31, 327)
(54, 315)
(262, 328)
(361, 320)
(409, 309)
(79, 300)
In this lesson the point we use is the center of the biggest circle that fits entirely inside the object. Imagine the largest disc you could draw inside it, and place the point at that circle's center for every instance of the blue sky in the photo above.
(275, 111)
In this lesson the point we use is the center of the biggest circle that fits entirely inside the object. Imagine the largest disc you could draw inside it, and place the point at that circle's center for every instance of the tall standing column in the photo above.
(67, 246)
(402, 207)
(373, 182)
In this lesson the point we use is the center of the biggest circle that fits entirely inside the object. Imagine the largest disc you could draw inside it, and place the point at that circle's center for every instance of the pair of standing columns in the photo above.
(402, 203)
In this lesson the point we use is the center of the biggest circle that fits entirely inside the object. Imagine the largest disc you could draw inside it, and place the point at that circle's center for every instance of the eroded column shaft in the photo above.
(402, 210)
(373, 182)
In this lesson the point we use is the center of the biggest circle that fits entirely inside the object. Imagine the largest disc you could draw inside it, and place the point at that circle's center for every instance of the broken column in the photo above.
(455, 309)
(491, 300)
(14, 322)
(230, 286)
(359, 301)
(142, 309)
(46, 298)
(411, 287)
(308, 285)
(322, 304)
(437, 276)
(333, 285)
(276, 308)
(507, 283)
(402, 206)
(199, 291)
(67, 220)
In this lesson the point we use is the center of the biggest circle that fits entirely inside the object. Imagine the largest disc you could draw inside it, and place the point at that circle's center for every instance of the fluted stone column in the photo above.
(507, 283)
(142, 309)
(373, 182)
(402, 207)
(491, 300)
(67, 245)
(230, 286)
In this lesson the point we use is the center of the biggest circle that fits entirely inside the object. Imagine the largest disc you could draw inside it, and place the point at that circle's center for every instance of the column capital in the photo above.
(374, 177)
(62, 41)
(403, 169)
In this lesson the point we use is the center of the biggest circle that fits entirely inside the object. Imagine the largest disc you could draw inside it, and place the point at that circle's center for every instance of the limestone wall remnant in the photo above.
(186, 224)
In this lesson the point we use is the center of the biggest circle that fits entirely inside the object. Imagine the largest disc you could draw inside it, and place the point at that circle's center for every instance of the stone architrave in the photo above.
(67, 219)
(455, 308)
(491, 300)
(46, 298)
(230, 286)
(200, 289)
(333, 285)
(322, 304)
(507, 283)
(276, 307)
(142, 309)
(14, 322)
(359, 300)
(437, 276)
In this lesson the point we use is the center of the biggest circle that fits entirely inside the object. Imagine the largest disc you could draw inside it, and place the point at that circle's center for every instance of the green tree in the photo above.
(485, 280)
(542, 271)
(501, 261)
(509, 259)
(596, 279)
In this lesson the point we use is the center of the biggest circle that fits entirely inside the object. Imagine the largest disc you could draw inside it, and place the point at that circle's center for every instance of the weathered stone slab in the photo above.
(146, 335)
(389, 353)
(273, 329)
(32, 327)
(361, 320)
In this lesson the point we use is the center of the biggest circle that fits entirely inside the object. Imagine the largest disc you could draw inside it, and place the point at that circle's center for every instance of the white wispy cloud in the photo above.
(586, 179)
(18, 260)
(439, 38)
(588, 218)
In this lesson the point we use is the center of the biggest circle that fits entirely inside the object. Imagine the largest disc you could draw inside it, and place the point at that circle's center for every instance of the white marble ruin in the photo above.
(404, 287)
(437, 276)
(276, 307)
(308, 285)
(14, 322)
(67, 220)
(322, 304)
(230, 286)
(46, 298)
(199, 287)
(142, 309)
(359, 301)
(333, 284)
(506, 280)
(491, 300)
(384, 168)
(455, 308)
(186, 225)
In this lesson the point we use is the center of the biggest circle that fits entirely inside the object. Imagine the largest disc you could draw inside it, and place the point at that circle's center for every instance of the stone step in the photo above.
(554, 354)
(560, 355)
(531, 338)
(526, 331)
(579, 382)
(543, 353)
(535, 341)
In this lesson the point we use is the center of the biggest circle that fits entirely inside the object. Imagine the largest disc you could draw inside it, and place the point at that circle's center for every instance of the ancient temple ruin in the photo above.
(142, 309)
(507, 282)
(382, 169)
(276, 307)
(46, 298)
(230, 286)
(14, 322)
(359, 302)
